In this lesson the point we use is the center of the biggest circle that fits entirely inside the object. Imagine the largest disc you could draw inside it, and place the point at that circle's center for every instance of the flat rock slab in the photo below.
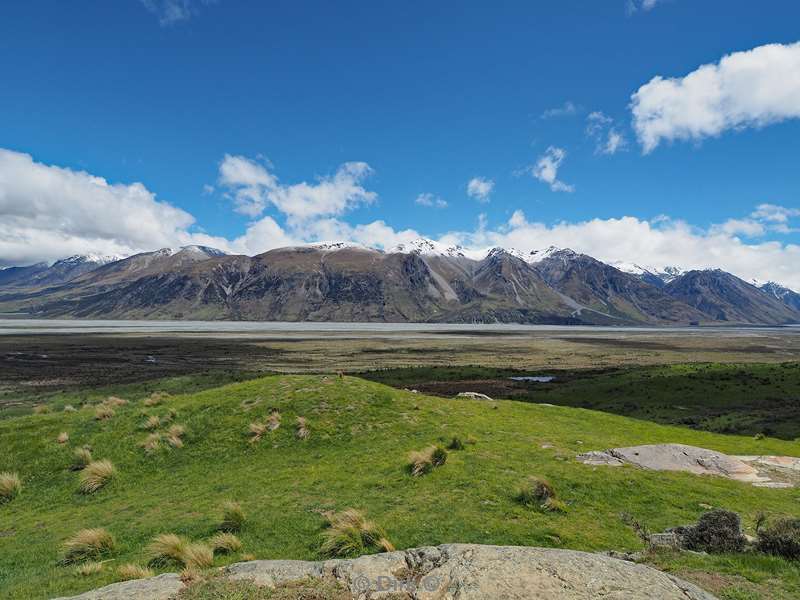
(764, 471)
(450, 572)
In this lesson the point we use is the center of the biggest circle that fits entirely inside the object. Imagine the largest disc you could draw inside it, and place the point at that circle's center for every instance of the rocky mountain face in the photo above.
(726, 298)
(418, 282)
(784, 294)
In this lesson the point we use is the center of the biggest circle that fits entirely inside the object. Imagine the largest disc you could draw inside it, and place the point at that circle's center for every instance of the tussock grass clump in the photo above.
(257, 431)
(115, 402)
(62, 438)
(782, 538)
(87, 544)
(538, 493)
(232, 517)
(424, 461)
(166, 548)
(274, 420)
(80, 458)
(151, 443)
(96, 475)
(225, 543)
(131, 571)
(301, 428)
(90, 568)
(175, 436)
(103, 412)
(10, 487)
(69, 408)
(156, 398)
(151, 423)
(349, 533)
(41, 409)
(197, 555)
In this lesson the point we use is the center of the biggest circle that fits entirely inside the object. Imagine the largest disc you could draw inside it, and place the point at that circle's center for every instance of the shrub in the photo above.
(232, 517)
(165, 549)
(62, 438)
(455, 444)
(538, 493)
(80, 458)
(424, 461)
(86, 544)
(96, 475)
(782, 538)
(130, 571)
(225, 543)
(301, 428)
(350, 534)
(103, 412)
(716, 531)
(10, 487)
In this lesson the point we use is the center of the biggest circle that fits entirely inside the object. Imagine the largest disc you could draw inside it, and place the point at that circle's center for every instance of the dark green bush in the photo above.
(782, 538)
(717, 531)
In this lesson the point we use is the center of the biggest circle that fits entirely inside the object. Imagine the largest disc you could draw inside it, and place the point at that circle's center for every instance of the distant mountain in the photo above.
(420, 281)
(789, 297)
(726, 298)
(61, 271)
(656, 276)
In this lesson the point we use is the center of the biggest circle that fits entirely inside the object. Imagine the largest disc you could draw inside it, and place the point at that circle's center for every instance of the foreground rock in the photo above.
(763, 471)
(452, 572)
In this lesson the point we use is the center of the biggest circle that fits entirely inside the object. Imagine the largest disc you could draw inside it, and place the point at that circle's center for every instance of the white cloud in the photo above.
(431, 200)
(546, 169)
(480, 188)
(775, 213)
(49, 212)
(746, 227)
(600, 128)
(754, 88)
(252, 188)
(169, 12)
(565, 110)
(644, 5)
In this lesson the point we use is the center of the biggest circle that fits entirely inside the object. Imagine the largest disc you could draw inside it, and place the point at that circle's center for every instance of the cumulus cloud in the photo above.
(643, 5)
(252, 188)
(600, 127)
(430, 200)
(480, 188)
(546, 169)
(169, 12)
(49, 212)
(565, 110)
(753, 88)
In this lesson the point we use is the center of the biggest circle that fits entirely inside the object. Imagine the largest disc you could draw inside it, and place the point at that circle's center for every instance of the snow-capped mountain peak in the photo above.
(426, 247)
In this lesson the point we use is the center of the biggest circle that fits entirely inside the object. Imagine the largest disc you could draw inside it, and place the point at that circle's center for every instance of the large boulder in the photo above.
(453, 572)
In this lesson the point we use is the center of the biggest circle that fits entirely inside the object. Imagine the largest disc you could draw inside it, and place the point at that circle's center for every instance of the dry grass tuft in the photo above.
(91, 568)
(103, 412)
(156, 398)
(10, 487)
(165, 549)
(86, 544)
(96, 475)
(114, 401)
(151, 443)
(70, 408)
(62, 438)
(131, 571)
(257, 431)
(248, 557)
(225, 543)
(351, 534)
(232, 517)
(80, 458)
(274, 420)
(538, 493)
(301, 428)
(198, 556)
(424, 461)
(151, 423)
(175, 435)
(41, 409)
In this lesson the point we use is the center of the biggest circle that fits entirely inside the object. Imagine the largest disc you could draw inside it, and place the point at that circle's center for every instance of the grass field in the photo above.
(355, 456)
(725, 398)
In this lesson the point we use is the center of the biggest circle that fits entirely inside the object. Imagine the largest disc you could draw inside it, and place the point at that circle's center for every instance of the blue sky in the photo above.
(424, 97)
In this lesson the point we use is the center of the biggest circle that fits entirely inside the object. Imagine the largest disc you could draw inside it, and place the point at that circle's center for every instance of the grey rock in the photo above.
(451, 572)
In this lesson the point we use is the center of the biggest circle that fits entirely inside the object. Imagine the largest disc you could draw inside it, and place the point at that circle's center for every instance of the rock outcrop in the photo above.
(451, 572)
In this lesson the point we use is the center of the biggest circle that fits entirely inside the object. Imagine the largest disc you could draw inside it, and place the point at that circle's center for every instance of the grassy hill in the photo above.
(355, 456)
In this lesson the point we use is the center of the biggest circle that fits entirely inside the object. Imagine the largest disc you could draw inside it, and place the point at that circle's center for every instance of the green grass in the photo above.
(355, 457)
(724, 398)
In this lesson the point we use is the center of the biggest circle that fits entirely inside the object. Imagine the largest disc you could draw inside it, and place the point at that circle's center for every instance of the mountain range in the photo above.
(422, 281)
